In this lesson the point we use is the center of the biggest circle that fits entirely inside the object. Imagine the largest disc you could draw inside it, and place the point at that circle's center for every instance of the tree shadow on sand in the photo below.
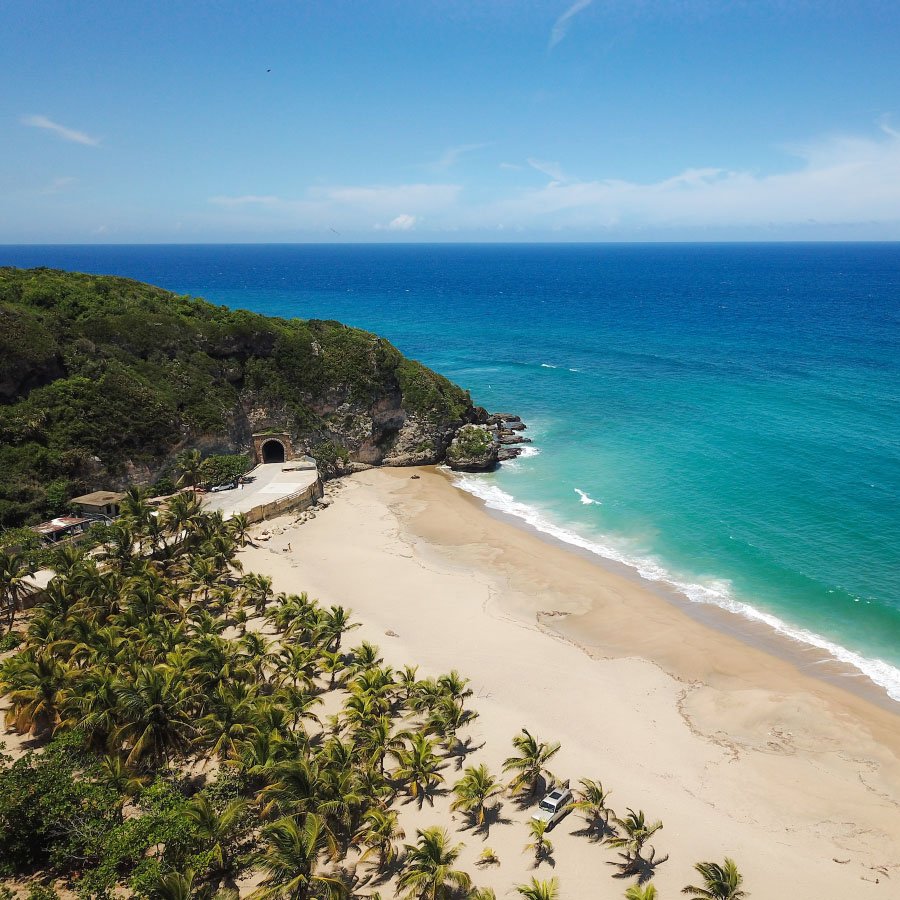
(644, 869)
(461, 750)
(493, 815)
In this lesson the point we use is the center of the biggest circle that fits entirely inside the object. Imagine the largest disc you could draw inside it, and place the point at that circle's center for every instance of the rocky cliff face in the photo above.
(104, 380)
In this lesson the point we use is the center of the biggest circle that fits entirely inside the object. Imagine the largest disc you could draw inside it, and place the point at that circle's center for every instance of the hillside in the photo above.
(104, 380)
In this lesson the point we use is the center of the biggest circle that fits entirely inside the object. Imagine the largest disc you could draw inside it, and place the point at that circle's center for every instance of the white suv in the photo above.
(554, 806)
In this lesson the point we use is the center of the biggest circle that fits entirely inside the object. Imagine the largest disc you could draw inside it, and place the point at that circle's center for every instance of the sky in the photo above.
(465, 120)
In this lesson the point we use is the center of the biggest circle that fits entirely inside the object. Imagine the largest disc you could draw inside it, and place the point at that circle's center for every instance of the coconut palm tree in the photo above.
(379, 832)
(635, 832)
(720, 882)
(38, 685)
(473, 791)
(293, 848)
(447, 718)
(593, 803)
(540, 890)
(539, 842)
(158, 711)
(173, 886)
(15, 570)
(428, 872)
(419, 767)
(218, 831)
(531, 763)
(239, 529)
(337, 623)
(188, 462)
(641, 892)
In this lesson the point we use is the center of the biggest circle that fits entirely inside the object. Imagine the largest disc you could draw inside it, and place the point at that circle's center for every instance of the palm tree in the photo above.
(158, 712)
(636, 831)
(428, 872)
(419, 767)
(173, 886)
(217, 830)
(378, 833)
(540, 890)
(291, 859)
(447, 717)
(593, 802)
(38, 686)
(638, 892)
(473, 791)
(15, 569)
(239, 528)
(720, 882)
(188, 463)
(531, 763)
(539, 842)
(337, 623)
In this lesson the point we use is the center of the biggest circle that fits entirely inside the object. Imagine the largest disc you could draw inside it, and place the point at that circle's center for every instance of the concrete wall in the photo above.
(298, 501)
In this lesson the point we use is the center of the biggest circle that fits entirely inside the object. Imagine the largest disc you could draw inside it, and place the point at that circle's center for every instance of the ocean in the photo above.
(723, 418)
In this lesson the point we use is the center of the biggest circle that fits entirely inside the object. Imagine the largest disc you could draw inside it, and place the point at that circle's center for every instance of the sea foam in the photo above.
(714, 592)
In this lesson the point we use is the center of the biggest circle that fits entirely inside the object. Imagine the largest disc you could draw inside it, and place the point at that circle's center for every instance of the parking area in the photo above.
(266, 483)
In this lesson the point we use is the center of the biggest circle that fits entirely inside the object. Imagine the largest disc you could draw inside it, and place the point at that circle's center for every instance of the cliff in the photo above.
(104, 380)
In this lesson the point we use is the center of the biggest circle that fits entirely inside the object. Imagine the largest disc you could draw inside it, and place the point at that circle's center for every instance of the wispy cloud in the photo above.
(57, 185)
(67, 134)
(451, 156)
(563, 23)
(403, 222)
(552, 170)
(840, 180)
(513, 167)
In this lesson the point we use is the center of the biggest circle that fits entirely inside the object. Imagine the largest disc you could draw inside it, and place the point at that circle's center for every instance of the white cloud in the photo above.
(840, 179)
(403, 222)
(451, 156)
(562, 24)
(67, 134)
(386, 198)
(551, 169)
(513, 167)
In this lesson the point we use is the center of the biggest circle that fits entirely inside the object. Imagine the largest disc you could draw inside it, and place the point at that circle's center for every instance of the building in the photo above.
(61, 529)
(99, 504)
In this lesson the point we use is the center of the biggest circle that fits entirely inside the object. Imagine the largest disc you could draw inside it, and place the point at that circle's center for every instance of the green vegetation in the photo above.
(101, 377)
(157, 659)
(472, 441)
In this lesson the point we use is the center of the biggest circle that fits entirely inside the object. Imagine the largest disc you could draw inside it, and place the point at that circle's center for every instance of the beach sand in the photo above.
(739, 752)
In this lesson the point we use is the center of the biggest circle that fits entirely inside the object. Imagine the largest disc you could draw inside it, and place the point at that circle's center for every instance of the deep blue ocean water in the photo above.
(725, 418)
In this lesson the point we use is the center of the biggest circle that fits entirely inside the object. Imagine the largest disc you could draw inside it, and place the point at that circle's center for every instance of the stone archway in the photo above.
(272, 447)
(273, 451)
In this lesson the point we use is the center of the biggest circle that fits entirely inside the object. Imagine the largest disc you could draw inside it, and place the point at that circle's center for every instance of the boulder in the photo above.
(473, 449)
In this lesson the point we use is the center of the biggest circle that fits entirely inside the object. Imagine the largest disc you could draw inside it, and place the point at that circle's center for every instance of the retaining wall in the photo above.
(297, 501)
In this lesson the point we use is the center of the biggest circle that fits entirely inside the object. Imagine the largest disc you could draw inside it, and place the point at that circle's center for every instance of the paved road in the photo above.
(271, 482)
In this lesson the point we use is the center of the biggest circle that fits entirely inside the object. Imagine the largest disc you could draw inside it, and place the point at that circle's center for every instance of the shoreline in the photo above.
(808, 658)
(739, 753)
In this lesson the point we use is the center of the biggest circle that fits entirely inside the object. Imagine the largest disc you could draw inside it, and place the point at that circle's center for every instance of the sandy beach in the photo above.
(740, 752)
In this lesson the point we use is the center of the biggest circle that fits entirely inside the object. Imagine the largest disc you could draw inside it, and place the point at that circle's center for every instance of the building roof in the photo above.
(55, 526)
(99, 498)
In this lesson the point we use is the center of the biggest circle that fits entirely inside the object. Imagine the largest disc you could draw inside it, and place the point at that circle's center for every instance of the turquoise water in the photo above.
(725, 418)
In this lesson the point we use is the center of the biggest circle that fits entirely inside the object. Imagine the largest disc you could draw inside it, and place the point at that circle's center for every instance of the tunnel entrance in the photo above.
(273, 452)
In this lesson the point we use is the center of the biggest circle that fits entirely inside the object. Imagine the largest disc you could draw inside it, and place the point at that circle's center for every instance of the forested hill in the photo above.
(103, 380)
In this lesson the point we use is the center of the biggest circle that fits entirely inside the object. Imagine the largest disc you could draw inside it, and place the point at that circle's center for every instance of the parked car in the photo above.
(224, 487)
(554, 806)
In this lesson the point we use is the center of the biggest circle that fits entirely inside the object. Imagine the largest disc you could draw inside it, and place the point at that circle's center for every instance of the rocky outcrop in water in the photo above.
(479, 447)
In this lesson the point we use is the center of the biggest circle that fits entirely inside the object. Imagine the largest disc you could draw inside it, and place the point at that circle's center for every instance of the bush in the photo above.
(225, 469)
